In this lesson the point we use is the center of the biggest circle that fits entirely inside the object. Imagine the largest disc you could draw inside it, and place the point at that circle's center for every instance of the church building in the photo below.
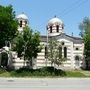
(72, 47)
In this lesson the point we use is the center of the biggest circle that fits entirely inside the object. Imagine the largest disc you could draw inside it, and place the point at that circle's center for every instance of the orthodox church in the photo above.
(72, 47)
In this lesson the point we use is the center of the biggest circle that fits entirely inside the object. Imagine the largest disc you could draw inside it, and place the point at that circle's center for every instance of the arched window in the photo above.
(60, 52)
(77, 58)
(20, 23)
(65, 52)
(57, 28)
(77, 63)
(45, 51)
(50, 29)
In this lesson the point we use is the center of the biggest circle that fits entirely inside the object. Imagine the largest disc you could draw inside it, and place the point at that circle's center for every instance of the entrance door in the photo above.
(4, 59)
(77, 62)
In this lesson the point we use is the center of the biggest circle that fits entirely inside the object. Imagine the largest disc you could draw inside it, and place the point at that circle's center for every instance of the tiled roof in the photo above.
(75, 40)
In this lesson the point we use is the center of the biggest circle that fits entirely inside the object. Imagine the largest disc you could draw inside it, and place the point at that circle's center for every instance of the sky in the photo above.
(39, 12)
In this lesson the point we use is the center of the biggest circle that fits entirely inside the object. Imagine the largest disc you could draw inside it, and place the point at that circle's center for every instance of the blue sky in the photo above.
(39, 12)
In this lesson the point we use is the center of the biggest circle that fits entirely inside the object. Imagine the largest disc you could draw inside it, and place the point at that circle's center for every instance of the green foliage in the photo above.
(8, 24)
(54, 54)
(45, 71)
(32, 43)
(87, 45)
(17, 44)
(84, 27)
(85, 34)
(42, 72)
(27, 44)
(2, 70)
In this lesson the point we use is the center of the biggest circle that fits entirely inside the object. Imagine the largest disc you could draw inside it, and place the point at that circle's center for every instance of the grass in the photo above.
(74, 74)
(43, 72)
(86, 73)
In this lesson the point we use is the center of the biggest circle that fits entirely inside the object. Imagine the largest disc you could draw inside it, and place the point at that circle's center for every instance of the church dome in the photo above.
(22, 16)
(55, 27)
(55, 20)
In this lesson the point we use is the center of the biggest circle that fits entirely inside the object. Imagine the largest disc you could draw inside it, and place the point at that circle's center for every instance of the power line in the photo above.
(65, 9)
(74, 5)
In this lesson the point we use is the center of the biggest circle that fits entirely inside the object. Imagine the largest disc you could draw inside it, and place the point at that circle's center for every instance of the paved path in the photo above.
(45, 84)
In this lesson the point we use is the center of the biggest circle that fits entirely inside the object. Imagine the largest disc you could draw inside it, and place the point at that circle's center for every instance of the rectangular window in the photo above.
(20, 23)
(50, 29)
(57, 28)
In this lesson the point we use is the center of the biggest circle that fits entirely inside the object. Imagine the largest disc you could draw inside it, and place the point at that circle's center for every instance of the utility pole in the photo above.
(47, 46)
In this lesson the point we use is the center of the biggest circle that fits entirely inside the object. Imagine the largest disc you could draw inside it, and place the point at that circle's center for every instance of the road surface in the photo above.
(44, 83)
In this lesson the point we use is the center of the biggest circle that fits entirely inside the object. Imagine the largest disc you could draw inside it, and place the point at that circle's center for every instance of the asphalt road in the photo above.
(45, 84)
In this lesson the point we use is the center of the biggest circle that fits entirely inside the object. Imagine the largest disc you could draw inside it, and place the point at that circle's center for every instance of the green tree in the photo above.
(85, 34)
(27, 44)
(55, 53)
(8, 24)
(18, 44)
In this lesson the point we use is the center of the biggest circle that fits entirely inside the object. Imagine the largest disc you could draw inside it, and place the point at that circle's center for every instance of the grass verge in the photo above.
(43, 72)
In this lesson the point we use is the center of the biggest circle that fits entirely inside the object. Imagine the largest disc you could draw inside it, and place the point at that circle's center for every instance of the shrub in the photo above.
(45, 71)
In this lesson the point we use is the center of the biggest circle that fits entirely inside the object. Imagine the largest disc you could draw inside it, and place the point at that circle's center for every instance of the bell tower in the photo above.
(23, 21)
(55, 26)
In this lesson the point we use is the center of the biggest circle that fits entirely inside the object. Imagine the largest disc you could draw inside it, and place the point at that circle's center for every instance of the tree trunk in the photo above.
(30, 62)
(24, 61)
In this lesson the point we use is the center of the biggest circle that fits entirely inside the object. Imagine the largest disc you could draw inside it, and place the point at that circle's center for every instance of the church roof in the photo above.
(22, 16)
(5, 48)
(55, 20)
(75, 40)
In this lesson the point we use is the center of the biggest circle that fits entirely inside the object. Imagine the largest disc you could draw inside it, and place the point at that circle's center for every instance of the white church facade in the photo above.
(72, 47)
